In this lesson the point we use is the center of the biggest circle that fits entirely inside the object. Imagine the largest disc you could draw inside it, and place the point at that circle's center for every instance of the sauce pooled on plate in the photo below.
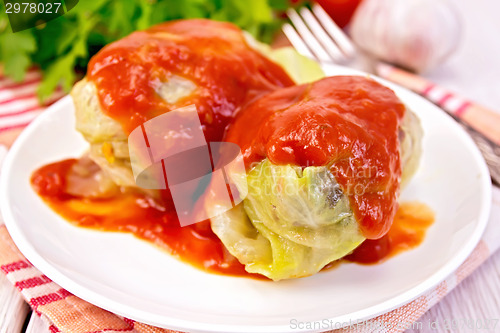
(347, 123)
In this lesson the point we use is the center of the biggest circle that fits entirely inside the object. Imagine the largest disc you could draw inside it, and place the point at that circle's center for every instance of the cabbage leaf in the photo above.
(292, 223)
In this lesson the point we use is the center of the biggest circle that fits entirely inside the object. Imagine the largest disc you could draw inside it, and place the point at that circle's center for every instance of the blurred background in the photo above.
(62, 47)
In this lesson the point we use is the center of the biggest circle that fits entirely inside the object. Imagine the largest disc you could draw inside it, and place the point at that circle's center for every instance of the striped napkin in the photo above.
(64, 312)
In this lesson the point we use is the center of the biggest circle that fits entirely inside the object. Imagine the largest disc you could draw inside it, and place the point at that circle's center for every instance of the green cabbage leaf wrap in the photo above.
(292, 223)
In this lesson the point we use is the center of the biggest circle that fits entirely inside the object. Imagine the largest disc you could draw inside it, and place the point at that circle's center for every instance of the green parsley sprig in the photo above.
(64, 45)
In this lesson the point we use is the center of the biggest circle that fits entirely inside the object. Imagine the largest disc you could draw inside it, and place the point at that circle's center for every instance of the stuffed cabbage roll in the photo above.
(213, 65)
(325, 162)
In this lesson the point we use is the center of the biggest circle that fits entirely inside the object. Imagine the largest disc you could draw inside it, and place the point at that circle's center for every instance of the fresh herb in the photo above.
(64, 44)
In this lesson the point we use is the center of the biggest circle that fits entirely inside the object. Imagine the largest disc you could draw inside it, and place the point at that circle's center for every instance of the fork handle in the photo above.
(480, 118)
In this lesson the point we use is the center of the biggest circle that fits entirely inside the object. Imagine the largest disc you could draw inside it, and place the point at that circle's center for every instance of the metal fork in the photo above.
(314, 34)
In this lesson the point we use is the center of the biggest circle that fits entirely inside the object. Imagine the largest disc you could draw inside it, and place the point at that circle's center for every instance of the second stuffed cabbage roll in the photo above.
(325, 162)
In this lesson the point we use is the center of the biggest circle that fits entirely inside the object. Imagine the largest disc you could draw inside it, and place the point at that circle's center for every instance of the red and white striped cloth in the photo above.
(18, 101)
(64, 312)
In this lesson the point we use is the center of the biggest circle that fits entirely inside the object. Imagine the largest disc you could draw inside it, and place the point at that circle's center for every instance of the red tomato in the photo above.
(340, 10)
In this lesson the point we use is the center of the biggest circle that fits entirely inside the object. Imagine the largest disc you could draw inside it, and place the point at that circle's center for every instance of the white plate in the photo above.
(134, 279)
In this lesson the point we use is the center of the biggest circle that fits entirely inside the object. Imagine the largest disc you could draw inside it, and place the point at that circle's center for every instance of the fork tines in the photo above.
(315, 35)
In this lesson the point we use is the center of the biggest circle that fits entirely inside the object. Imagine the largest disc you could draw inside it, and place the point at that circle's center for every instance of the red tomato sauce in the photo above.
(213, 55)
(407, 231)
(135, 213)
(196, 244)
(349, 123)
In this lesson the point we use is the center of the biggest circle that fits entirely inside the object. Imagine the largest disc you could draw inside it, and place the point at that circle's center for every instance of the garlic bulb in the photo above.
(415, 34)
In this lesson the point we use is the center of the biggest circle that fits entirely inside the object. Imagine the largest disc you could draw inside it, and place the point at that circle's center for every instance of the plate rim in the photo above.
(109, 304)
